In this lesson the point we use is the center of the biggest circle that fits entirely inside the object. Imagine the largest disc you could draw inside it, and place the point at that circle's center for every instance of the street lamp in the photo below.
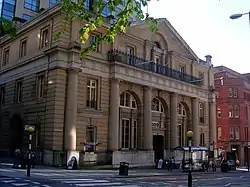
(190, 136)
(236, 16)
(30, 131)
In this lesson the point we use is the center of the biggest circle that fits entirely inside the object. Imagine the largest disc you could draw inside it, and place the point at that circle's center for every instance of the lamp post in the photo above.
(236, 16)
(30, 131)
(190, 136)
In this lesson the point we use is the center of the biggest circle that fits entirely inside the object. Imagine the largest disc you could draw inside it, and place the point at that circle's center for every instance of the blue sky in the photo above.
(206, 27)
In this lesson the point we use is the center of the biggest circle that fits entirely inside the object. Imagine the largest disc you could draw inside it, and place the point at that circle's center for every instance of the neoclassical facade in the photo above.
(133, 100)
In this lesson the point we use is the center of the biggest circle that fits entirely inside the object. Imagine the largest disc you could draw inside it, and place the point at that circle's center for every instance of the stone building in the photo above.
(132, 100)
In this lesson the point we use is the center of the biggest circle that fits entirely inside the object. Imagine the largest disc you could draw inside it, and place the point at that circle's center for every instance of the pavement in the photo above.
(54, 177)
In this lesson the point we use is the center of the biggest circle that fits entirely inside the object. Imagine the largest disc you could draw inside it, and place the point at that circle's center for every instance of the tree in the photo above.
(93, 17)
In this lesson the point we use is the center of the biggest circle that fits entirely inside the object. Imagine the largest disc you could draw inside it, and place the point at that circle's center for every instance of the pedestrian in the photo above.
(16, 159)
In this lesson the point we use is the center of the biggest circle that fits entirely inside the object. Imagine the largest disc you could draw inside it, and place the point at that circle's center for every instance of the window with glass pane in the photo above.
(52, 3)
(237, 133)
(125, 134)
(246, 133)
(40, 86)
(202, 139)
(93, 39)
(8, 9)
(130, 54)
(19, 91)
(27, 17)
(231, 133)
(6, 55)
(44, 38)
(231, 111)
(2, 95)
(92, 93)
(32, 5)
(129, 134)
(180, 135)
(230, 92)
(89, 4)
(237, 111)
(235, 92)
(219, 133)
(23, 48)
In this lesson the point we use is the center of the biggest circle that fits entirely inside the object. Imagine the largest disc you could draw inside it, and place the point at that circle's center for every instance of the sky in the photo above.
(206, 27)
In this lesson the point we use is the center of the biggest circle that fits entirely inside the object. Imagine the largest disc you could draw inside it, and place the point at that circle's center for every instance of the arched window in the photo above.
(157, 105)
(158, 45)
(127, 100)
(181, 110)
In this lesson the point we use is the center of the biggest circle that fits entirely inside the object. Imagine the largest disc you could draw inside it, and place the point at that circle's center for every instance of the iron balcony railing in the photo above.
(119, 56)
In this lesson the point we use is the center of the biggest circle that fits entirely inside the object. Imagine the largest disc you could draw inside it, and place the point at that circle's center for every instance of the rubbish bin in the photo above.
(123, 169)
(224, 167)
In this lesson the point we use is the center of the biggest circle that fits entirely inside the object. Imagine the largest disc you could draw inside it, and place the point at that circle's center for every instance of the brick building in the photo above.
(132, 100)
(233, 102)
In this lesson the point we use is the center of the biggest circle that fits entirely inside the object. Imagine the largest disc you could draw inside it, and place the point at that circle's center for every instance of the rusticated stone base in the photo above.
(134, 158)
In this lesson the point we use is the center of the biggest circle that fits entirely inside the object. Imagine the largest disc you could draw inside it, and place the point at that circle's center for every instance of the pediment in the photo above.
(166, 36)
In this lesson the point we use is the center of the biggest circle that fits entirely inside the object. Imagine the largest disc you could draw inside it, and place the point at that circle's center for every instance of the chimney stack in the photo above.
(208, 59)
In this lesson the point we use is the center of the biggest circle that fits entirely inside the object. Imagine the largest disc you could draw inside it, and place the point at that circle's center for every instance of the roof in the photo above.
(165, 21)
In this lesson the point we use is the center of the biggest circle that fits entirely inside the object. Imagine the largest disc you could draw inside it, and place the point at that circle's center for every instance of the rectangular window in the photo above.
(231, 133)
(92, 88)
(219, 133)
(180, 133)
(2, 95)
(182, 69)
(44, 40)
(130, 54)
(19, 91)
(236, 92)
(246, 110)
(89, 5)
(246, 133)
(23, 48)
(237, 133)
(40, 86)
(8, 9)
(93, 39)
(230, 92)
(219, 114)
(201, 112)
(231, 111)
(201, 77)
(32, 5)
(237, 111)
(128, 134)
(6, 56)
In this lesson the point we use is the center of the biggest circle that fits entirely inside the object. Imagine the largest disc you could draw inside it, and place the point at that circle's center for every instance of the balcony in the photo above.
(122, 57)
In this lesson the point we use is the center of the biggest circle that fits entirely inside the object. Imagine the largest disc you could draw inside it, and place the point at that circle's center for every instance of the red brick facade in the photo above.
(233, 102)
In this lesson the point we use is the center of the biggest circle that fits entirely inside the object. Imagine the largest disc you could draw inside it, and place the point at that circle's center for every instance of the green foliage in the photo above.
(7, 27)
(76, 10)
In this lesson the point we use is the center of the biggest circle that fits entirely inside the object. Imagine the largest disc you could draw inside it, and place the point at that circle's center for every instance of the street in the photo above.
(53, 177)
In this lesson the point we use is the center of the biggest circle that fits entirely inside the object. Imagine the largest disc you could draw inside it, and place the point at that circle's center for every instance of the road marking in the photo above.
(194, 180)
(103, 184)
(228, 184)
(9, 181)
(36, 182)
(45, 185)
(241, 177)
(6, 170)
(19, 184)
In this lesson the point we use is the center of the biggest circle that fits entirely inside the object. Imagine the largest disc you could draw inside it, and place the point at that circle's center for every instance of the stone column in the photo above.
(114, 115)
(195, 121)
(212, 122)
(173, 120)
(147, 118)
(71, 114)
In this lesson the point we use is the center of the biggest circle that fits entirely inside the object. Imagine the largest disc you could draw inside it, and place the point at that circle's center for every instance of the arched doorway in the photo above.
(16, 133)
(129, 121)
(159, 122)
(183, 123)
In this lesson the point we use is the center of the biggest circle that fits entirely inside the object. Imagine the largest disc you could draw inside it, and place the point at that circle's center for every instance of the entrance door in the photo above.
(158, 146)
(16, 133)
